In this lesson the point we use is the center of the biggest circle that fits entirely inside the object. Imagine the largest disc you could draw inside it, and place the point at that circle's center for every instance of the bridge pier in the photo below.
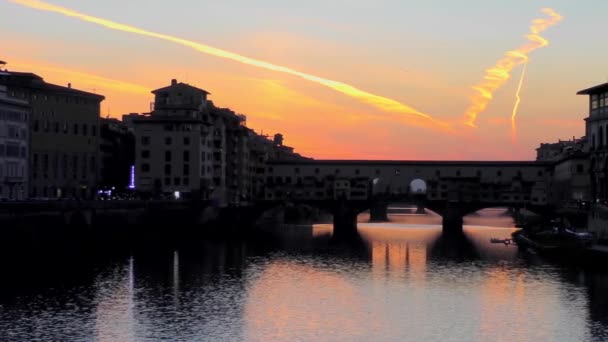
(378, 212)
(452, 219)
(420, 209)
(345, 221)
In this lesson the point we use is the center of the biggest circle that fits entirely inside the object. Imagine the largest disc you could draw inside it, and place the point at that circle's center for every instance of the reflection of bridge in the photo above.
(453, 188)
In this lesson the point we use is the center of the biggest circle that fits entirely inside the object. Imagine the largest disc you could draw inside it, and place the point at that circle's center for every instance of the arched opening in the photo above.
(418, 187)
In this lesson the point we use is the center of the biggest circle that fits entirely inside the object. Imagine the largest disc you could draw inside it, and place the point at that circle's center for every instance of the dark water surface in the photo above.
(405, 282)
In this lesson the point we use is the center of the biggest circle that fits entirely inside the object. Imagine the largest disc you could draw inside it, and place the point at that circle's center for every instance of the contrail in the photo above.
(517, 102)
(496, 76)
(377, 101)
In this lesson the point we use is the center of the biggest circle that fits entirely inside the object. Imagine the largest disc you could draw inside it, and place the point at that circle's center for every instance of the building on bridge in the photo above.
(64, 136)
(494, 183)
(14, 146)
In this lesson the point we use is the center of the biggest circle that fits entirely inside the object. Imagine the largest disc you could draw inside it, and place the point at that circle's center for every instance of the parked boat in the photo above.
(560, 243)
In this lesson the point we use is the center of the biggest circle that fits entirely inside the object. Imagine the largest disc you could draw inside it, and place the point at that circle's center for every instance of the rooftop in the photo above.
(594, 90)
(515, 163)
(32, 81)
(175, 85)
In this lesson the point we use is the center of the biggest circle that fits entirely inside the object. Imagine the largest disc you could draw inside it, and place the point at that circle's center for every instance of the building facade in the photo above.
(64, 136)
(172, 149)
(597, 135)
(117, 154)
(188, 147)
(14, 147)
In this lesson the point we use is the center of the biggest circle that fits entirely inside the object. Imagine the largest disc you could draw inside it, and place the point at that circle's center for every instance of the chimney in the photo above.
(173, 82)
(70, 85)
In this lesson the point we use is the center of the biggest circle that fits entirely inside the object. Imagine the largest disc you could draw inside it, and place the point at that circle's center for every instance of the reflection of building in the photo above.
(64, 128)
(13, 146)
(117, 148)
(597, 133)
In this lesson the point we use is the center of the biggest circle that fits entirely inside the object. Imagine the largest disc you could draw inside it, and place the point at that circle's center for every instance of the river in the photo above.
(403, 282)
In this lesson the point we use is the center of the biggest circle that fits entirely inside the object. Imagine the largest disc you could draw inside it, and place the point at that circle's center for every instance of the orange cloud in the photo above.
(383, 103)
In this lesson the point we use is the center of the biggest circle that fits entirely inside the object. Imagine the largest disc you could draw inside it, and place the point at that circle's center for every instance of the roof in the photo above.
(180, 85)
(594, 90)
(32, 81)
(165, 119)
(516, 163)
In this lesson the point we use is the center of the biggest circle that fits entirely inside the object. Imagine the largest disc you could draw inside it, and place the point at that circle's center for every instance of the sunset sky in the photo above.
(426, 55)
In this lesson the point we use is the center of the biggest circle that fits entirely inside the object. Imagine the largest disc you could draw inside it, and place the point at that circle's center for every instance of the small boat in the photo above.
(556, 242)
(503, 241)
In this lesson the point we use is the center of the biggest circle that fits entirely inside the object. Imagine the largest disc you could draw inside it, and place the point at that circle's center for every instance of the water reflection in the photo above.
(406, 282)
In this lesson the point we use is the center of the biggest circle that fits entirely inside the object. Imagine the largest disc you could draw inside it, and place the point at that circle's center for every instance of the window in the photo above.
(85, 130)
(94, 130)
(145, 154)
(457, 172)
(186, 169)
(499, 173)
(580, 168)
(56, 127)
(186, 156)
(145, 167)
(357, 171)
(167, 169)
(186, 181)
(167, 181)
(186, 140)
(177, 181)
(167, 156)
(145, 140)
(594, 101)
(93, 163)
(75, 129)
(36, 125)
(168, 140)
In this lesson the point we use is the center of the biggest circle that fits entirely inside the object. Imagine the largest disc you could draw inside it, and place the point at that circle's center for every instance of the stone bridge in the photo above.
(452, 189)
